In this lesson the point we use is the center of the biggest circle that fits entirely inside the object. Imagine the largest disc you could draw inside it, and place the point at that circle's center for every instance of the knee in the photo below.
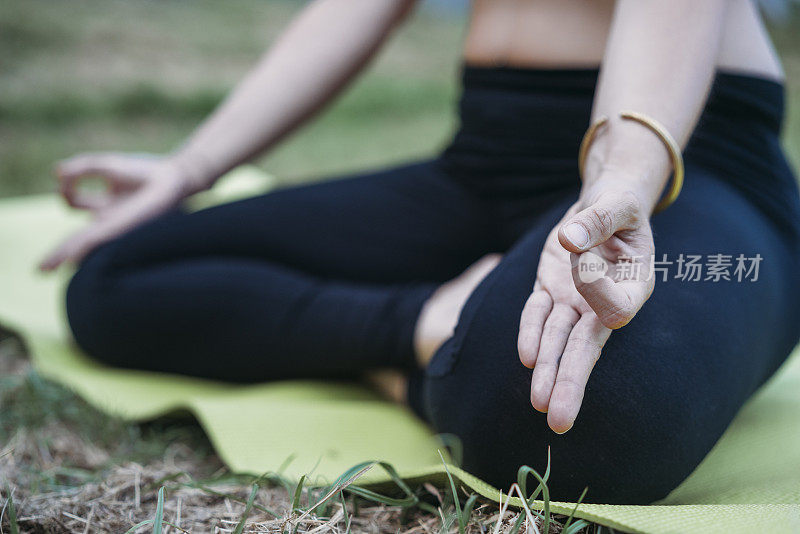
(89, 304)
(638, 434)
(627, 449)
(628, 445)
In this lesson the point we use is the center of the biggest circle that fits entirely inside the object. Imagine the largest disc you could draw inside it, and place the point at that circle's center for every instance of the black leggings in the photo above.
(327, 280)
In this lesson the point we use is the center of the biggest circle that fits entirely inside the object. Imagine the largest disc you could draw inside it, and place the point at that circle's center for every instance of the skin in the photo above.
(658, 58)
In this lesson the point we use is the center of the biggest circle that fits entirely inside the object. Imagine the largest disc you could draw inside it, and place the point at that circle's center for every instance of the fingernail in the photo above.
(577, 235)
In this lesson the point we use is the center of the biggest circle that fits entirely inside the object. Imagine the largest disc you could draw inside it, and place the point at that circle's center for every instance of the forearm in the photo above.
(660, 60)
(323, 48)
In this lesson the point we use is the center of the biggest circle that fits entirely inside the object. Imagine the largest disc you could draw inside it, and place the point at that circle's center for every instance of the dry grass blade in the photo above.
(529, 518)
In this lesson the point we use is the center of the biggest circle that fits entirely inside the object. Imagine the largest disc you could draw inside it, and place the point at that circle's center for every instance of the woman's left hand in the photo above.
(593, 276)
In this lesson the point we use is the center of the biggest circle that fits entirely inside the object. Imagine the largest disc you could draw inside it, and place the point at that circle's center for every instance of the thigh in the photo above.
(403, 224)
(666, 385)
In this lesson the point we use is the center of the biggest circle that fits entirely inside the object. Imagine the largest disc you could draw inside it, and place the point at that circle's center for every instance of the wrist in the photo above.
(192, 170)
(627, 156)
(620, 181)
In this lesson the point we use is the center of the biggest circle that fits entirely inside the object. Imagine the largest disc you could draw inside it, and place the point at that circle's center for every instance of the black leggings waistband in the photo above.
(570, 92)
(528, 123)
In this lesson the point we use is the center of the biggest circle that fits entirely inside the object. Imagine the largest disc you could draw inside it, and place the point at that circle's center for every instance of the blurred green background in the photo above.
(138, 75)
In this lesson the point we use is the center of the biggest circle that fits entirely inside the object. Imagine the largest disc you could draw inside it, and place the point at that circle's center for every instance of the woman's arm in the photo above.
(659, 61)
(329, 42)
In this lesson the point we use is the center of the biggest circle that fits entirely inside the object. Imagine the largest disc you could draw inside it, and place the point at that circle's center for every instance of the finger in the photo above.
(84, 164)
(615, 303)
(534, 314)
(69, 172)
(126, 215)
(581, 353)
(73, 249)
(610, 213)
(555, 333)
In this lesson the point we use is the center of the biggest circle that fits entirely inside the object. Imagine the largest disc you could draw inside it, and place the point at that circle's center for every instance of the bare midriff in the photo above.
(573, 33)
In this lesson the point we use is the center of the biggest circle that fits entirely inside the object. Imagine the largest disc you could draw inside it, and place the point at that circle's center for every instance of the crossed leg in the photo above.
(324, 280)
(666, 385)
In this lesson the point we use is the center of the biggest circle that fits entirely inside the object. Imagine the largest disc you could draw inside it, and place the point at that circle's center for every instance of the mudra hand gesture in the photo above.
(569, 316)
(138, 187)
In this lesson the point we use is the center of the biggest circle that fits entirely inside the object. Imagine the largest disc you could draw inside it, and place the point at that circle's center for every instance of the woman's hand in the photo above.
(138, 187)
(593, 277)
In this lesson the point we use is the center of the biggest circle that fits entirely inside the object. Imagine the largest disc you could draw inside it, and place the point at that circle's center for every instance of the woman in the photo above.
(467, 271)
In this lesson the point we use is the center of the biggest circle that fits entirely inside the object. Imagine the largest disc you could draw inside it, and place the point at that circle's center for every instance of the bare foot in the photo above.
(389, 383)
(440, 313)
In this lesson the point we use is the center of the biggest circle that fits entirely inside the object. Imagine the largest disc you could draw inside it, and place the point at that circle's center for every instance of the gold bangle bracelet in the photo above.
(665, 137)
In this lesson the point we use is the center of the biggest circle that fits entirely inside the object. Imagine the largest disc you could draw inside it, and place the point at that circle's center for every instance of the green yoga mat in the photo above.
(750, 482)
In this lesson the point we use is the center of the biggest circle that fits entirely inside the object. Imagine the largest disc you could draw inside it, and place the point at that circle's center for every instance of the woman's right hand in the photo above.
(139, 187)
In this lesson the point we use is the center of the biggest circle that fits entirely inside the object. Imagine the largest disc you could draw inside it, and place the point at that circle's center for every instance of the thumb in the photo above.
(607, 215)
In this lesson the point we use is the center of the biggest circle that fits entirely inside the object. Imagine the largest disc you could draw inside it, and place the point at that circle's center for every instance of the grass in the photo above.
(75, 79)
(138, 76)
(66, 467)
